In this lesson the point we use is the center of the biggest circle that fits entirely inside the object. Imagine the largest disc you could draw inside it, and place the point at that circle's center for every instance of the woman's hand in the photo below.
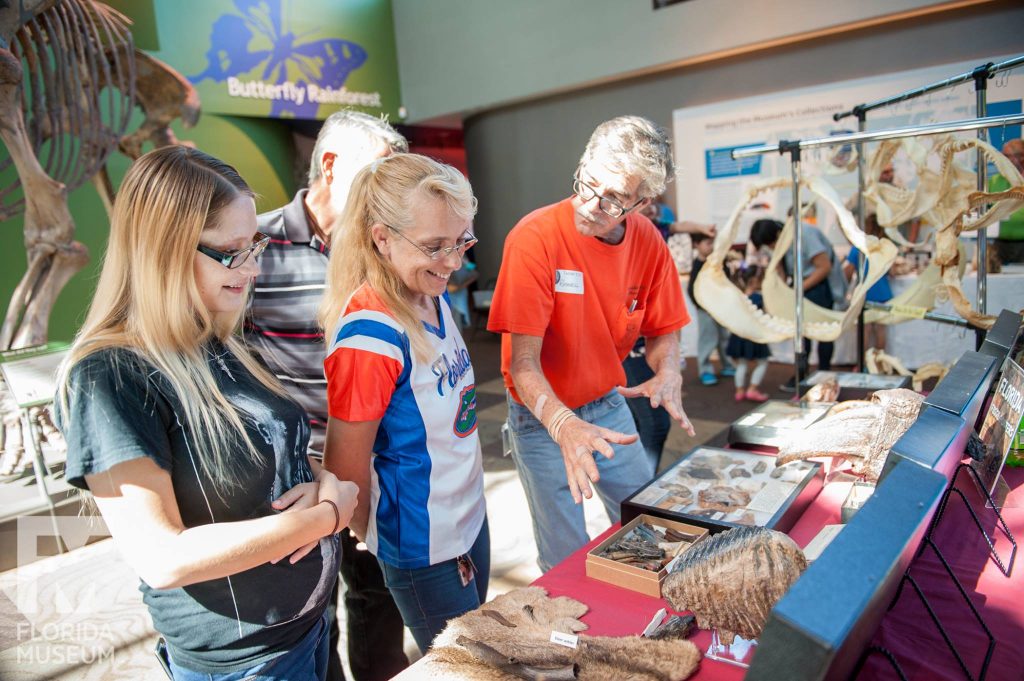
(343, 493)
(309, 494)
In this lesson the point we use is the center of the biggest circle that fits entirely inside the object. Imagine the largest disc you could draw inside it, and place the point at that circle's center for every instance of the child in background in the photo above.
(880, 291)
(743, 351)
(709, 334)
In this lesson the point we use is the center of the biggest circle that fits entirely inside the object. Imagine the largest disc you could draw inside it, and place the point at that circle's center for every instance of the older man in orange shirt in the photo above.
(580, 281)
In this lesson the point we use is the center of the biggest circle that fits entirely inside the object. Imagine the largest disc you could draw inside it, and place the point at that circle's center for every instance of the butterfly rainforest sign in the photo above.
(284, 58)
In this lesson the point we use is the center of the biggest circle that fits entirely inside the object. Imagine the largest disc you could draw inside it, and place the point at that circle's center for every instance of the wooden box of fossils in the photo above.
(725, 488)
(853, 385)
(774, 421)
(639, 556)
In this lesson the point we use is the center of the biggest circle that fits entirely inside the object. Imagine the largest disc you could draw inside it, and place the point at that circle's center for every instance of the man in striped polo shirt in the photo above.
(282, 326)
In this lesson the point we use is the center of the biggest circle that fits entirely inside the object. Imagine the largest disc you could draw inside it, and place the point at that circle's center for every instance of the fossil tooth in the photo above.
(732, 580)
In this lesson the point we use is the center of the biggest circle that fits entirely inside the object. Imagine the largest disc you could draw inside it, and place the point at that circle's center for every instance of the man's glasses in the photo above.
(608, 206)
(235, 259)
(460, 246)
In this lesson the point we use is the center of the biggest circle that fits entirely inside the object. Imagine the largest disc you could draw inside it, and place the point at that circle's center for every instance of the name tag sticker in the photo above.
(568, 281)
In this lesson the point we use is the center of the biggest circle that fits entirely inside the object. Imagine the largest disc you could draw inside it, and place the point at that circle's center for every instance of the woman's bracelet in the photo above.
(337, 515)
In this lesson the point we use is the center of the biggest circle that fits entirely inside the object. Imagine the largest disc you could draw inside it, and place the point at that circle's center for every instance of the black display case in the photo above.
(775, 421)
(725, 488)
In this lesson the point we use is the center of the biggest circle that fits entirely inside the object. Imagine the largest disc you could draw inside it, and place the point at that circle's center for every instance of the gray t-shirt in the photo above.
(121, 408)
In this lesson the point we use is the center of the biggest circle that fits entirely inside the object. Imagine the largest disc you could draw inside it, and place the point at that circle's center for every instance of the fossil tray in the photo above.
(646, 582)
(725, 488)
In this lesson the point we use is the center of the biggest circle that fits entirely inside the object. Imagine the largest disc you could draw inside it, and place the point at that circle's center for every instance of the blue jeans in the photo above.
(429, 597)
(559, 526)
(307, 660)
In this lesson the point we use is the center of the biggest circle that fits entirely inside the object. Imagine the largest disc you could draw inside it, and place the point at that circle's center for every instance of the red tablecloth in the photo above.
(906, 630)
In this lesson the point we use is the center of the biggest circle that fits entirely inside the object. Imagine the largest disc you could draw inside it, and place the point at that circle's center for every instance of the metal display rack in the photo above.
(794, 149)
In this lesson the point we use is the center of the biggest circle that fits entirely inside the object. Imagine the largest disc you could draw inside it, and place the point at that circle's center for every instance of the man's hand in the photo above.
(578, 441)
(664, 389)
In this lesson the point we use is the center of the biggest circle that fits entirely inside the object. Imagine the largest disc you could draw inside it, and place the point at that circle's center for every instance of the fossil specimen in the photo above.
(826, 391)
(760, 467)
(702, 473)
(739, 472)
(722, 498)
(732, 580)
(859, 431)
(732, 309)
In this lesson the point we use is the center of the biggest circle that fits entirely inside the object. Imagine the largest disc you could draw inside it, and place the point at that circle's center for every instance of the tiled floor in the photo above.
(80, 616)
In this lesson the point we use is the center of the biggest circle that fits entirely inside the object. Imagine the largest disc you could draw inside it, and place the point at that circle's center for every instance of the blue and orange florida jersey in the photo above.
(426, 471)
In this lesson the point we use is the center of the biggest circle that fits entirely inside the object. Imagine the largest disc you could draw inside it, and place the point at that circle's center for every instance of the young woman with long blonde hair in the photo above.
(401, 391)
(194, 455)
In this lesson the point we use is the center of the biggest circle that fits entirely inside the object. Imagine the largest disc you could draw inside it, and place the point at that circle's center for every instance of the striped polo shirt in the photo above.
(281, 321)
(426, 472)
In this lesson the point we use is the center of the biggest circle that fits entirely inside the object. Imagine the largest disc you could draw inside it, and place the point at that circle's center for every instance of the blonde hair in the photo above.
(147, 299)
(382, 194)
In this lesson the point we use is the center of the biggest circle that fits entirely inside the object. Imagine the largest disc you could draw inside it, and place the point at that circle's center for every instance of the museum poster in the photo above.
(284, 58)
(710, 183)
(1001, 424)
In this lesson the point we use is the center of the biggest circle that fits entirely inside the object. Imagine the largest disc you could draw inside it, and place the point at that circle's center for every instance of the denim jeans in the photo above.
(652, 423)
(429, 597)
(559, 526)
(307, 660)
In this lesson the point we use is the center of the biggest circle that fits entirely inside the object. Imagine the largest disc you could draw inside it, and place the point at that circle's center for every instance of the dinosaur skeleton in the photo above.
(70, 78)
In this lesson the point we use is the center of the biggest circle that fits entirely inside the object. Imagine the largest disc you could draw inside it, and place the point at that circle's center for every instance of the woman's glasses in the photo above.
(461, 246)
(235, 259)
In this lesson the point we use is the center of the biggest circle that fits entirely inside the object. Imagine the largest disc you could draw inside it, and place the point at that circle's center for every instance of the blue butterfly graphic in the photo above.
(325, 63)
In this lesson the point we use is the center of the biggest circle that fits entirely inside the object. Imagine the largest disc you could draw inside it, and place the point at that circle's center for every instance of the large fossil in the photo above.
(877, 361)
(860, 431)
(509, 638)
(731, 307)
(732, 580)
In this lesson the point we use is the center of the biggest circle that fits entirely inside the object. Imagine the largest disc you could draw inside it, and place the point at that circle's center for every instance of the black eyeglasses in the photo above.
(460, 246)
(608, 206)
(235, 259)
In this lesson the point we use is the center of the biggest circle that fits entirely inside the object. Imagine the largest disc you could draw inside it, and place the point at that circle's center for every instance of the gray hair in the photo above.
(355, 121)
(635, 147)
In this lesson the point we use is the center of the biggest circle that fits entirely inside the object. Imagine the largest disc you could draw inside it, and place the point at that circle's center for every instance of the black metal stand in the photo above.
(1006, 568)
(928, 543)
(884, 652)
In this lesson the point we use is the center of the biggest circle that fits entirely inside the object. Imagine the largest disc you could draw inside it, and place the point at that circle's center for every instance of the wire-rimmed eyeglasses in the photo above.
(460, 246)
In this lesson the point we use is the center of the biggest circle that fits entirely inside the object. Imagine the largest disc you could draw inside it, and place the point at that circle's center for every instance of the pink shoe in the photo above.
(739, 396)
(755, 395)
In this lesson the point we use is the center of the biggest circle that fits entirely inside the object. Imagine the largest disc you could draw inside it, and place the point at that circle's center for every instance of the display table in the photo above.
(906, 630)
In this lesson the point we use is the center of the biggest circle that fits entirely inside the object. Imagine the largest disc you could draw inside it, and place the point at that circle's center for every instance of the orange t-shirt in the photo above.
(588, 300)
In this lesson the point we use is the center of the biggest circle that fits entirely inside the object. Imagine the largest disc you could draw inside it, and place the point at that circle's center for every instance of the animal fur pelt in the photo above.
(513, 631)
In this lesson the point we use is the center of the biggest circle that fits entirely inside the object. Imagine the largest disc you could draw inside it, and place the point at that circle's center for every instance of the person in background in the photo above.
(580, 280)
(458, 291)
(818, 258)
(1010, 244)
(880, 291)
(281, 325)
(743, 351)
(192, 451)
(710, 334)
(401, 389)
